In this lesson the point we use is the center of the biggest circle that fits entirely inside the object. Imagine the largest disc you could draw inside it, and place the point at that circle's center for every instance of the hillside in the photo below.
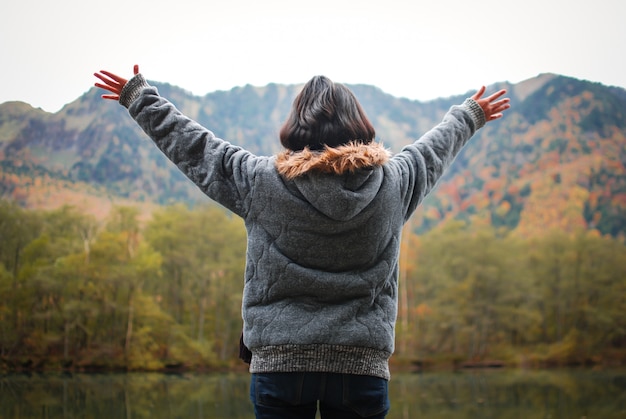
(556, 160)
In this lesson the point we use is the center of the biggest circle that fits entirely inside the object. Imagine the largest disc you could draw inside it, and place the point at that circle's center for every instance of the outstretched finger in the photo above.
(115, 77)
(111, 82)
(496, 95)
(500, 102)
(106, 87)
(106, 81)
(101, 77)
(479, 93)
(504, 104)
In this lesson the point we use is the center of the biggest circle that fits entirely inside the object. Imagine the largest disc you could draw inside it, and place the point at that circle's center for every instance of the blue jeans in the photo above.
(295, 395)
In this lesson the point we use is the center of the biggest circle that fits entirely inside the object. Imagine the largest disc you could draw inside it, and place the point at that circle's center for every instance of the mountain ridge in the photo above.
(555, 161)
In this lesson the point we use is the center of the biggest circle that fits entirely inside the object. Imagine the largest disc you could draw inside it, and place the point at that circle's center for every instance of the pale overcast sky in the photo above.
(409, 48)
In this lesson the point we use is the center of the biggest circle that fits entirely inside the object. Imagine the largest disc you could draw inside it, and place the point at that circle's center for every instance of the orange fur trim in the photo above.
(335, 160)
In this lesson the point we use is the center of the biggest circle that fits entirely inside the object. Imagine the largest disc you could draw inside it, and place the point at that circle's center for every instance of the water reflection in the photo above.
(496, 394)
(511, 394)
(140, 395)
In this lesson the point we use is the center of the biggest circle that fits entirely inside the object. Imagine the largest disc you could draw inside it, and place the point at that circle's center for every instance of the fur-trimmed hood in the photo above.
(339, 182)
(339, 160)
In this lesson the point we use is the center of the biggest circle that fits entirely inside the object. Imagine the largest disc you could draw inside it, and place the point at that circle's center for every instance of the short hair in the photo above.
(325, 114)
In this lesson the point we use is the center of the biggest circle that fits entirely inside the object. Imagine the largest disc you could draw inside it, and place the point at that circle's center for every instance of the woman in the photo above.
(323, 220)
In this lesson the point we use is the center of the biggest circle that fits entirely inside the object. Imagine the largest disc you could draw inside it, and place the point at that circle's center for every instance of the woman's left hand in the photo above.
(492, 107)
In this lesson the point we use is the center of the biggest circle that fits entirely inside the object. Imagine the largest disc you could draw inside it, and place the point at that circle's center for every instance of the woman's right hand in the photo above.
(113, 83)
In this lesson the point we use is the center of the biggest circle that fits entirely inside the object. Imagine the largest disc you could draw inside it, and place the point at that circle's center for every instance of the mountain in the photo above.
(555, 161)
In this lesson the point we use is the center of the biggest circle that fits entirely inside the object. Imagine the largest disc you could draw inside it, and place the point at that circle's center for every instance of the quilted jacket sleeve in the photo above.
(222, 171)
(421, 164)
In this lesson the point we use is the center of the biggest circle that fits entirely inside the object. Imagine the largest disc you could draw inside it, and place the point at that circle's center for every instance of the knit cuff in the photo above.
(132, 90)
(477, 113)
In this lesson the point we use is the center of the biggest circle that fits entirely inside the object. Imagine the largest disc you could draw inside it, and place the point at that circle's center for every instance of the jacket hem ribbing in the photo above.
(321, 358)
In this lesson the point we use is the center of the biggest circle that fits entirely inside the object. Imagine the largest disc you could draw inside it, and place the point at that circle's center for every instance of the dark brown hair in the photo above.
(325, 114)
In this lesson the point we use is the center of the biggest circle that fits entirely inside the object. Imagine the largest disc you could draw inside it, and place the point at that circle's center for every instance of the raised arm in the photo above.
(222, 171)
(424, 162)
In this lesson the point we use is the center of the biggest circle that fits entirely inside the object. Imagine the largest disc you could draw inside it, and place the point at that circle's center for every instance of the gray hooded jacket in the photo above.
(321, 278)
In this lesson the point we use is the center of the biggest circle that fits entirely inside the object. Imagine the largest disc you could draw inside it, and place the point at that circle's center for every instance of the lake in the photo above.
(547, 394)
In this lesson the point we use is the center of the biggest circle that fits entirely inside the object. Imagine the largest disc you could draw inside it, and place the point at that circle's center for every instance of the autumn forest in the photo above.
(166, 294)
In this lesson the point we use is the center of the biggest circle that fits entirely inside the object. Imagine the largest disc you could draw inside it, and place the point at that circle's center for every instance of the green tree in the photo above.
(120, 265)
(53, 294)
(203, 254)
(17, 229)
